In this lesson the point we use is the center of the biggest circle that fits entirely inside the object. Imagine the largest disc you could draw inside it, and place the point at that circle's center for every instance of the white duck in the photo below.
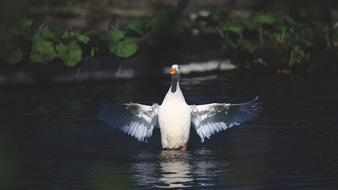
(174, 117)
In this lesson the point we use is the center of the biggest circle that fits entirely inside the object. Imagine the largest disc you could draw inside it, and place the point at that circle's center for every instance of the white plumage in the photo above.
(174, 117)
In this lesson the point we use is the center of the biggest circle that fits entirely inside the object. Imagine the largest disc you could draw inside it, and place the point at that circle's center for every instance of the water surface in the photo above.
(52, 138)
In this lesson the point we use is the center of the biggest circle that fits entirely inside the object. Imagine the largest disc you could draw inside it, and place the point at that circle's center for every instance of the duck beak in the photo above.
(173, 71)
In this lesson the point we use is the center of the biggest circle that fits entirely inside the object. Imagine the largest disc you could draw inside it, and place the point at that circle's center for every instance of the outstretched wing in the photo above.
(135, 119)
(212, 118)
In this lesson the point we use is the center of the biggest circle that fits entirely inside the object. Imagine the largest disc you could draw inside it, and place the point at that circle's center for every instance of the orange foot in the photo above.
(183, 148)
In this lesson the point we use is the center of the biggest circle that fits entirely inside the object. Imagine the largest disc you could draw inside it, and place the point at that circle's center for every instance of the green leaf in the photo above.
(113, 35)
(66, 35)
(42, 51)
(61, 50)
(125, 48)
(298, 55)
(26, 23)
(237, 29)
(135, 25)
(233, 28)
(15, 56)
(83, 38)
(265, 19)
(70, 54)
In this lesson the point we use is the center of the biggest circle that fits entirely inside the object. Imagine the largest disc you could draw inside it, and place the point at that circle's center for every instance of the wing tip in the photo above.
(256, 104)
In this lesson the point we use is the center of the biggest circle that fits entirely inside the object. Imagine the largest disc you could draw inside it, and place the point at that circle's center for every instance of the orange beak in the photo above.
(173, 71)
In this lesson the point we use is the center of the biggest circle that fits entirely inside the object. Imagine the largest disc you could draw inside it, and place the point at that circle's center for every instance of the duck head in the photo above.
(175, 77)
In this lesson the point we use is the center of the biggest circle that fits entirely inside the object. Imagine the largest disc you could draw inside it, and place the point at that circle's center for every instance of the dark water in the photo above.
(51, 138)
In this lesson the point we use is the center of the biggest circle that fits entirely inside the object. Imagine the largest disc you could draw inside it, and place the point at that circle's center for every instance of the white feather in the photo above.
(142, 122)
(209, 119)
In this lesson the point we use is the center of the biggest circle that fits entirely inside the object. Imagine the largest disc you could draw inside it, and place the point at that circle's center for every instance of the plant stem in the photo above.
(261, 37)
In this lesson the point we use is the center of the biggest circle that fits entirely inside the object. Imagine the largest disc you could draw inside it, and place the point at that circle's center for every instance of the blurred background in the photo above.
(50, 40)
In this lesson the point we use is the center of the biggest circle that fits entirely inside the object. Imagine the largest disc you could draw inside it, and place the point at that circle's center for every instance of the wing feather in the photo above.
(134, 119)
(209, 119)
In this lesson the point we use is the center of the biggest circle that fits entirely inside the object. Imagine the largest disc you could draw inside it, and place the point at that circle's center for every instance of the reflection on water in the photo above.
(208, 170)
(176, 169)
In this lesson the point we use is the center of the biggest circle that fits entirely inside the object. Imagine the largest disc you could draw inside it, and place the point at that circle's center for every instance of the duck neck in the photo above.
(175, 79)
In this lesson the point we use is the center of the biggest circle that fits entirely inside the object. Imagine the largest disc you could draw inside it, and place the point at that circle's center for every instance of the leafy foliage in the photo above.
(235, 28)
(266, 19)
(112, 36)
(43, 50)
(125, 48)
(70, 54)
(295, 38)
(118, 44)
(298, 55)
(82, 38)
(268, 30)
(135, 25)
(52, 44)
(25, 23)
